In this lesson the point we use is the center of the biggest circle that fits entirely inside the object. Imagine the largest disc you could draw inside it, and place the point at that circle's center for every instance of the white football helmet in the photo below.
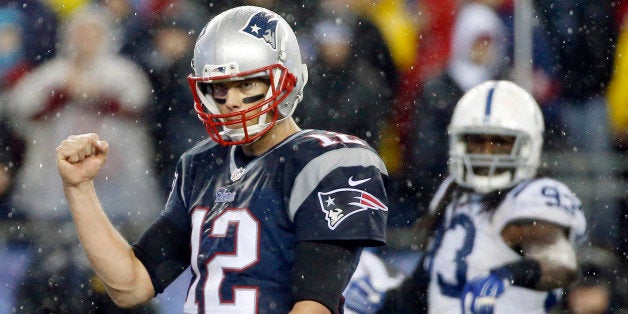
(241, 43)
(496, 108)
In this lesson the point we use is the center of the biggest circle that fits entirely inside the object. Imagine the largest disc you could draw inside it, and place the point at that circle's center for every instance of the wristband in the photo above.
(525, 273)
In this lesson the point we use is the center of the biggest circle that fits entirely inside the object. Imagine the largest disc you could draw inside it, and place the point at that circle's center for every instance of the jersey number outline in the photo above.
(455, 289)
(245, 254)
(333, 138)
(556, 198)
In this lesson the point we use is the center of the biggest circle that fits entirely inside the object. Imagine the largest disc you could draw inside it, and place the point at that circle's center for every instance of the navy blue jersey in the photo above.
(245, 217)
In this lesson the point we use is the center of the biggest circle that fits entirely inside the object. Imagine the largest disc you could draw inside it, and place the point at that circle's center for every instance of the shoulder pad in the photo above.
(543, 199)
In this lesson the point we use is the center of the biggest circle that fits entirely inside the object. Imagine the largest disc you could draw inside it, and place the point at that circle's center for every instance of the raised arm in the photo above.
(549, 262)
(79, 159)
(547, 244)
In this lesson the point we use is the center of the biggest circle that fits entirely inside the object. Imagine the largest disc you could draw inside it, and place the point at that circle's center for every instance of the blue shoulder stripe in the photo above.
(489, 103)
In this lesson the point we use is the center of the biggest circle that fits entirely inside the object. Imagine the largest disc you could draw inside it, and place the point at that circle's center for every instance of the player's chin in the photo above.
(481, 171)
(237, 124)
(486, 171)
(233, 127)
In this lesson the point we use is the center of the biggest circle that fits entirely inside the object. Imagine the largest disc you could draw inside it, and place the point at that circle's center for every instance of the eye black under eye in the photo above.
(208, 90)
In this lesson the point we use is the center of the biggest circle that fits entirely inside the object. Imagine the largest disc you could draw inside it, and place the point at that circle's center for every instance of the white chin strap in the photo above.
(485, 184)
(237, 135)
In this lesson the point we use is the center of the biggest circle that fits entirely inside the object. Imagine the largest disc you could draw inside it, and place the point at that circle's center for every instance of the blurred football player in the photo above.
(270, 218)
(505, 237)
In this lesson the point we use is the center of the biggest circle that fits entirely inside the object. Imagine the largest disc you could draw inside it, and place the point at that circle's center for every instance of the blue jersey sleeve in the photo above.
(341, 195)
(176, 209)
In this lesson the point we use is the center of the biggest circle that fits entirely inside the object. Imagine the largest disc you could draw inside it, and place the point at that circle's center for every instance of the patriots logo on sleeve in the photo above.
(263, 26)
(342, 203)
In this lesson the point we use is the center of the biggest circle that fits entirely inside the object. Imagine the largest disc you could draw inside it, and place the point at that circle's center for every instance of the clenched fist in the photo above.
(80, 157)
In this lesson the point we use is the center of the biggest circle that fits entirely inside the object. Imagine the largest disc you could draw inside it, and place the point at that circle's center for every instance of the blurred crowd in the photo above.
(388, 71)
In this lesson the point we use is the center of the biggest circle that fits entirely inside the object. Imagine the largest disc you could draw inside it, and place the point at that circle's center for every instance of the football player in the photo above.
(505, 237)
(270, 218)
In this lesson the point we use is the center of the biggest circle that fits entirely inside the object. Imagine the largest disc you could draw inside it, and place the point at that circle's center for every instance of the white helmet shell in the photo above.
(496, 108)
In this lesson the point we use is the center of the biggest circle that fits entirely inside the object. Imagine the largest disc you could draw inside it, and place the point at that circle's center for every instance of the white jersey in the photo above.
(469, 244)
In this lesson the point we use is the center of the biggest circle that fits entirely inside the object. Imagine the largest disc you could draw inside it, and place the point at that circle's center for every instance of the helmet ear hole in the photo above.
(205, 89)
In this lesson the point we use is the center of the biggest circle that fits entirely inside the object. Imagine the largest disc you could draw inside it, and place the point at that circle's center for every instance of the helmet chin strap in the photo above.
(238, 134)
(485, 184)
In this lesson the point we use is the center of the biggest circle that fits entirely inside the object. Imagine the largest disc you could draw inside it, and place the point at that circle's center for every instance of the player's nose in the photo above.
(487, 146)
(233, 100)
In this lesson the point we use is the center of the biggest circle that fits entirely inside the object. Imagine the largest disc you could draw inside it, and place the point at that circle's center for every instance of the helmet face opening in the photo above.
(496, 137)
(488, 160)
(241, 127)
(489, 154)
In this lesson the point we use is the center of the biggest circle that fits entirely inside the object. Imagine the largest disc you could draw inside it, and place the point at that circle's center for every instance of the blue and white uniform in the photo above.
(244, 217)
(468, 243)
